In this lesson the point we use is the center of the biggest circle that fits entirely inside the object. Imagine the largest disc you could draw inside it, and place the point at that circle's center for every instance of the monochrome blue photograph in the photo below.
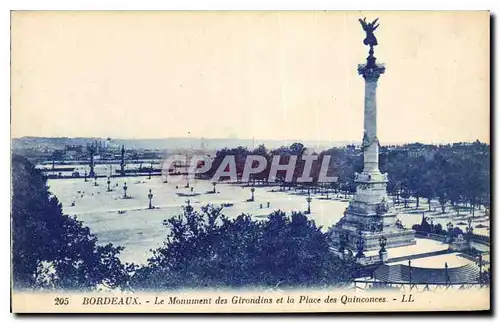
(190, 161)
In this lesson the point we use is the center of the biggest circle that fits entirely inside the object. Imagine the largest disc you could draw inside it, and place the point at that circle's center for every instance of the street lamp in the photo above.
(447, 275)
(85, 175)
(214, 184)
(382, 242)
(480, 269)
(109, 182)
(125, 190)
(360, 245)
(189, 208)
(409, 271)
(469, 231)
(309, 199)
(253, 196)
(95, 180)
(150, 197)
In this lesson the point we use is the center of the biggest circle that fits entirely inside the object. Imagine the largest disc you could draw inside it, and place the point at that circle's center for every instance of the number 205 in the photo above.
(61, 301)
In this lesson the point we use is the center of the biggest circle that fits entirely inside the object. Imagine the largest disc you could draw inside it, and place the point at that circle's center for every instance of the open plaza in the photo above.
(130, 223)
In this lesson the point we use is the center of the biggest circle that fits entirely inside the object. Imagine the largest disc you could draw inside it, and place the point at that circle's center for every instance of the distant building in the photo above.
(149, 155)
(71, 154)
(58, 154)
(73, 148)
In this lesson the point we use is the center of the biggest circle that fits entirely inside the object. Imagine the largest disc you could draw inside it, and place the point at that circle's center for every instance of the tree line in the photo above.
(456, 174)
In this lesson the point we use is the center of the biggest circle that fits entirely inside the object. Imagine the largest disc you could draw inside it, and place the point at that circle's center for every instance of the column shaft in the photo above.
(370, 154)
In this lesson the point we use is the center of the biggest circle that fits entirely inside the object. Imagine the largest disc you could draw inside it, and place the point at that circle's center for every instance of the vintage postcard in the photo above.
(215, 162)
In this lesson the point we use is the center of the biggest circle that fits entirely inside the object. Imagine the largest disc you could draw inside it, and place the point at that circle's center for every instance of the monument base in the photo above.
(394, 237)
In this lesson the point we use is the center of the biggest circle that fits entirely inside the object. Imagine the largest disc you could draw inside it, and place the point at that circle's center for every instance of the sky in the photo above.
(264, 75)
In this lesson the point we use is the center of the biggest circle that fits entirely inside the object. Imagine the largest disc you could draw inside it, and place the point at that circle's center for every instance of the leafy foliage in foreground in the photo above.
(51, 250)
(206, 249)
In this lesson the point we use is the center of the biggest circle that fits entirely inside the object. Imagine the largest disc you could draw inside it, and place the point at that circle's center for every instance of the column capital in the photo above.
(371, 73)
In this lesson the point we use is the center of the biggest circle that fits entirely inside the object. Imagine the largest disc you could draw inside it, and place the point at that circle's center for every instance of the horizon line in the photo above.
(250, 139)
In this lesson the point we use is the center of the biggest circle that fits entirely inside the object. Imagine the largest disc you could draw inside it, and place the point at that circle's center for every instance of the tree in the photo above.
(263, 175)
(240, 154)
(452, 173)
(415, 179)
(208, 249)
(428, 185)
(285, 153)
(405, 195)
(51, 250)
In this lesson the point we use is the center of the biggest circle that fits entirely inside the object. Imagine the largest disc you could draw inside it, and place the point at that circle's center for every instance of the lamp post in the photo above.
(446, 274)
(189, 208)
(397, 191)
(109, 182)
(253, 196)
(95, 180)
(469, 231)
(125, 190)
(308, 199)
(480, 269)
(214, 184)
(382, 242)
(360, 245)
(409, 270)
(150, 197)
(85, 176)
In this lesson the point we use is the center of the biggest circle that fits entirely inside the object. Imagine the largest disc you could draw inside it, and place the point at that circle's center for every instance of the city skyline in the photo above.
(248, 75)
(198, 140)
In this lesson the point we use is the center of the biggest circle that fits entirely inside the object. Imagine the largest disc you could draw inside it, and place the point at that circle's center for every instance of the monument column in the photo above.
(369, 223)
(122, 162)
(370, 72)
(91, 162)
